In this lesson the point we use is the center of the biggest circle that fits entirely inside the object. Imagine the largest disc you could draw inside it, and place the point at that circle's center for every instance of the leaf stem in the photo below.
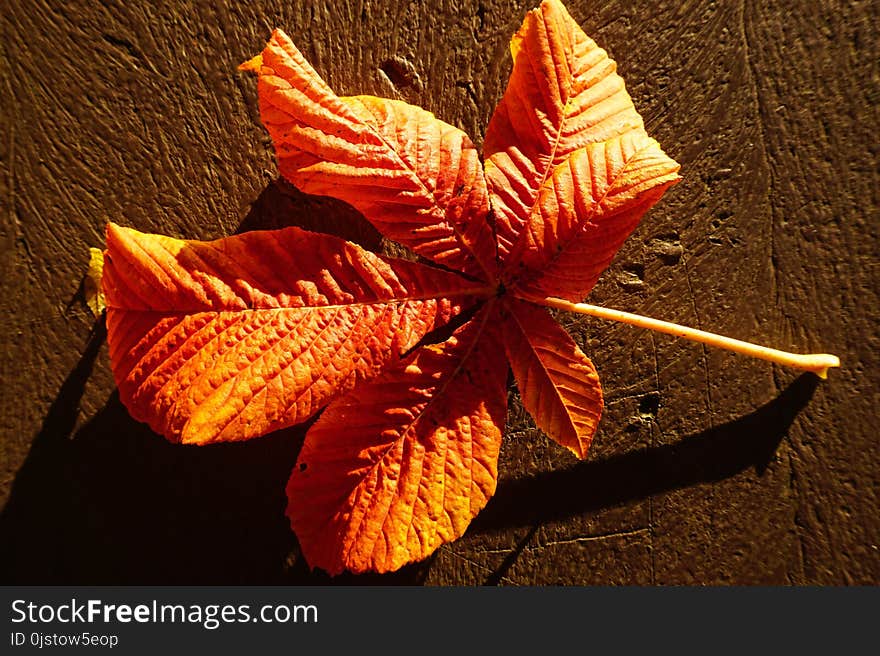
(818, 363)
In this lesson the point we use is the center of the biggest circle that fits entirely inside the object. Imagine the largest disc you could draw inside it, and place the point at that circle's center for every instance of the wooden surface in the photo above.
(708, 468)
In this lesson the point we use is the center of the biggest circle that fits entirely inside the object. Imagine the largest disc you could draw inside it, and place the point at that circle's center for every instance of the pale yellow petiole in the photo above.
(818, 363)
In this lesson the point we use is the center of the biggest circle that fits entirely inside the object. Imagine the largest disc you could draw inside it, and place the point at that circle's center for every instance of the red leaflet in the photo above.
(231, 339)
(563, 95)
(416, 178)
(558, 384)
(416, 461)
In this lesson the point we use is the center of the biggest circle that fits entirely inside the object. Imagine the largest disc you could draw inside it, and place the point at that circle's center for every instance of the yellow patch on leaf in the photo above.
(92, 291)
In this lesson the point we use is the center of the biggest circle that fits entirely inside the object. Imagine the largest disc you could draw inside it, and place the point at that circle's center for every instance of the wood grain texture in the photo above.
(706, 468)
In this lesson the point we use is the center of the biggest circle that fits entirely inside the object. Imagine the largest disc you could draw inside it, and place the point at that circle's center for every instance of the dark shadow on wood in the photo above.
(281, 205)
(117, 504)
(713, 455)
(500, 572)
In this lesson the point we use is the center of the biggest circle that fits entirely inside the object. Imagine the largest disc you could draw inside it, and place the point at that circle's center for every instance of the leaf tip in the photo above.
(252, 65)
(117, 238)
(96, 258)
(113, 231)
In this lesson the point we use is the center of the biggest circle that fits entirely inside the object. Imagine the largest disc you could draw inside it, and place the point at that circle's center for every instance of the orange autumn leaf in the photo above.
(417, 179)
(570, 172)
(228, 340)
(569, 165)
(558, 384)
(417, 461)
(563, 95)
(585, 210)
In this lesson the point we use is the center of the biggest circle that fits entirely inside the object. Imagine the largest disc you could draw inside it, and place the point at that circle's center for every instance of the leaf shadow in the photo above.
(712, 455)
(281, 205)
(114, 503)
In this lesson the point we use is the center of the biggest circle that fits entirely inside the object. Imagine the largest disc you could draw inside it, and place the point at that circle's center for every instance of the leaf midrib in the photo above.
(485, 291)
(550, 162)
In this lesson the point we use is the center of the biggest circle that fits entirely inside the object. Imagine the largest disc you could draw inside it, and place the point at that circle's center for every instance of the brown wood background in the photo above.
(708, 468)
